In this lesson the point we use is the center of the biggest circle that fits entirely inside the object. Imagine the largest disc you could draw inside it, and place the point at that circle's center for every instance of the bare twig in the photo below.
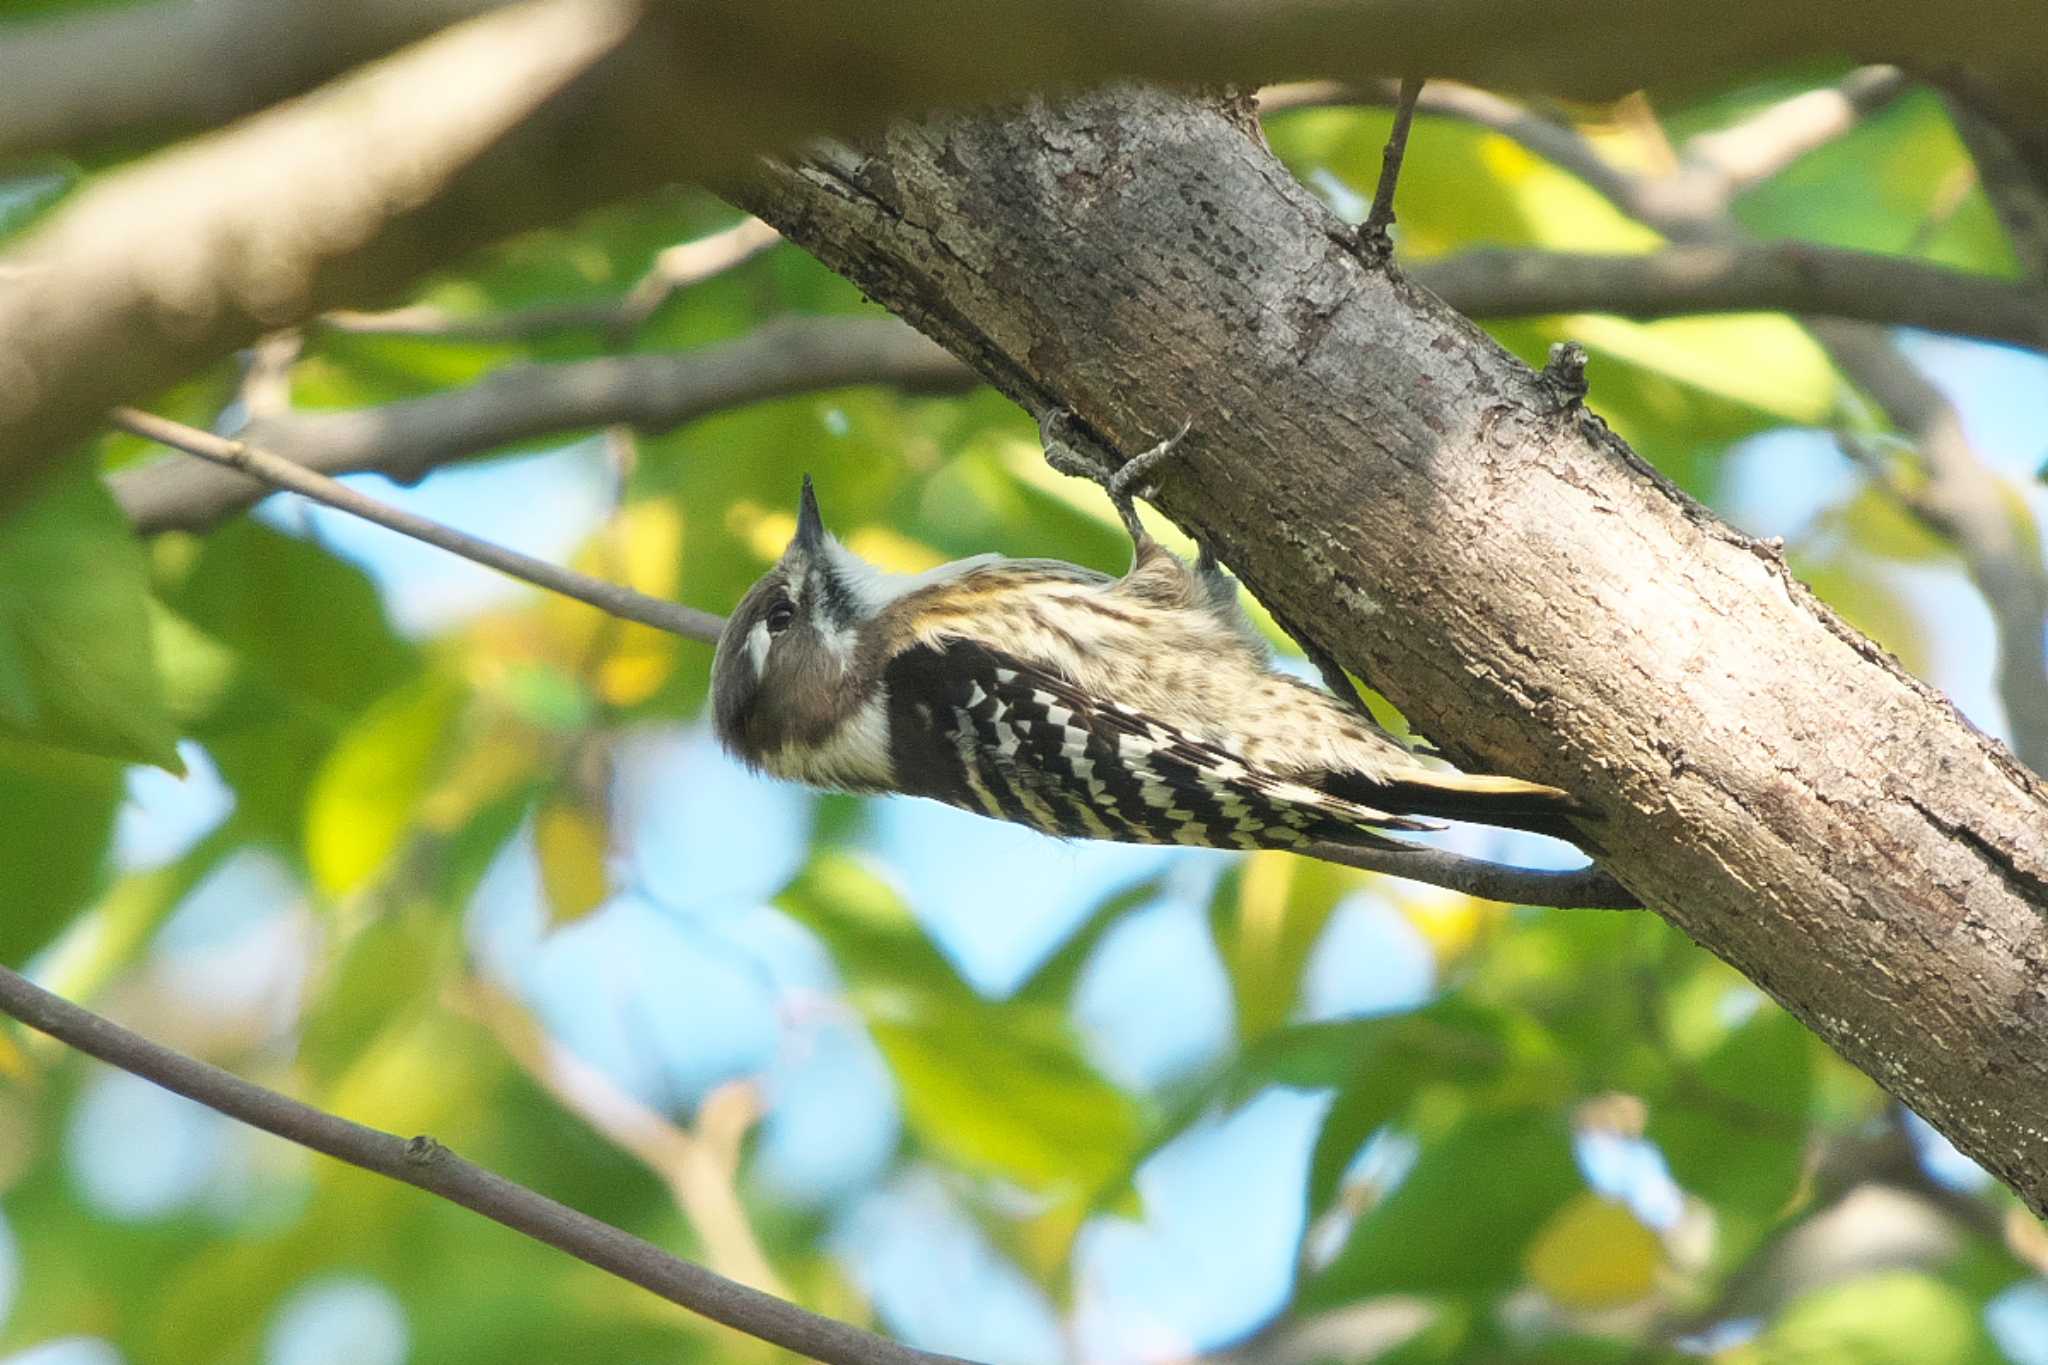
(425, 1163)
(407, 439)
(2017, 188)
(698, 1168)
(1966, 502)
(676, 268)
(1375, 234)
(1740, 276)
(613, 598)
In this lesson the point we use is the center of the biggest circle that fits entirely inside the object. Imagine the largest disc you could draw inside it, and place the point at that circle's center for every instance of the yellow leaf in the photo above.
(1450, 921)
(573, 845)
(369, 789)
(1594, 1254)
(625, 662)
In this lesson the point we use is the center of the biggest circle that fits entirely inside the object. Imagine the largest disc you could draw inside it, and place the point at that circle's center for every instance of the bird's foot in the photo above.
(1081, 456)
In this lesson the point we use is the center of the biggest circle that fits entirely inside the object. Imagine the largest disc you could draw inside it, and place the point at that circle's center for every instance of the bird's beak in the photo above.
(810, 527)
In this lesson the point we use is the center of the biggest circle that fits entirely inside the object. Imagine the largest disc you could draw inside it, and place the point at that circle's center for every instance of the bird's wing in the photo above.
(992, 732)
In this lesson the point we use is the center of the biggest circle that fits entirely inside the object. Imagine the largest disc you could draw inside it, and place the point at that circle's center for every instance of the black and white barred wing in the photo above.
(1003, 737)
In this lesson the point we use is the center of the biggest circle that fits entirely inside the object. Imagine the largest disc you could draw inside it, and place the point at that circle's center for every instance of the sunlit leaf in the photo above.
(573, 843)
(1593, 1254)
(1899, 1318)
(1005, 1091)
(365, 795)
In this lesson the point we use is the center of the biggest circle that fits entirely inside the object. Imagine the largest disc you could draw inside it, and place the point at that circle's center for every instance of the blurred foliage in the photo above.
(381, 776)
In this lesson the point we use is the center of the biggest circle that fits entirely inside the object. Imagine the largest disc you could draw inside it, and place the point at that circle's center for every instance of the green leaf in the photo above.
(1734, 1127)
(1461, 1219)
(1448, 1041)
(1004, 1090)
(364, 798)
(1900, 1318)
(310, 625)
(78, 666)
(67, 802)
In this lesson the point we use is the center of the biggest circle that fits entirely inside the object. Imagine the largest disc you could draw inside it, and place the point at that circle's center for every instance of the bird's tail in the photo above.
(1478, 797)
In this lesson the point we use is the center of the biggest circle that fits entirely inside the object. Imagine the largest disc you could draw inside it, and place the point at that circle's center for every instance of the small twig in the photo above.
(613, 598)
(425, 1163)
(1375, 233)
(698, 1167)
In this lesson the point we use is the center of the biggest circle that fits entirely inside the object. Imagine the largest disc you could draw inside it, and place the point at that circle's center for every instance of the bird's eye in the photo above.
(779, 617)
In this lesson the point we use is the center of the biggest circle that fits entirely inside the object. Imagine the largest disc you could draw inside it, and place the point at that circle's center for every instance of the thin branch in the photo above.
(2017, 189)
(676, 268)
(1375, 234)
(1579, 888)
(1746, 154)
(653, 393)
(425, 1163)
(612, 598)
(1734, 276)
(1977, 510)
(698, 1167)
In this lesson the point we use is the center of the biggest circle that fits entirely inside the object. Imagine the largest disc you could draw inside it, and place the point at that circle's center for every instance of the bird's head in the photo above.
(784, 671)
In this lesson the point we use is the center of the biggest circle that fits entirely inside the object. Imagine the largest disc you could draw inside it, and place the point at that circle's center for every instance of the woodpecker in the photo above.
(1143, 709)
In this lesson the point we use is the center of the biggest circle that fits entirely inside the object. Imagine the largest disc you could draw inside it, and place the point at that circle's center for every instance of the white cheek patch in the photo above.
(757, 647)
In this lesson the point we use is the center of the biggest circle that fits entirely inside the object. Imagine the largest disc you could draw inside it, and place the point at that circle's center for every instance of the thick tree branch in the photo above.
(154, 67)
(527, 402)
(424, 1163)
(1534, 597)
(534, 112)
(1723, 277)
(152, 271)
(1993, 530)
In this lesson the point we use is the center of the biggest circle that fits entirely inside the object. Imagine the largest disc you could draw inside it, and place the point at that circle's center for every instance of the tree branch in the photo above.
(426, 1164)
(612, 598)
(1505, 570)
(1993, 531)
(675, 269)
(187, 65)
(533, 112)
(1739, 276)
(406, 440)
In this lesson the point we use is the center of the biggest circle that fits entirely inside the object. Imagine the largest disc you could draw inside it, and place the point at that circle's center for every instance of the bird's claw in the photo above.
(1086, 458)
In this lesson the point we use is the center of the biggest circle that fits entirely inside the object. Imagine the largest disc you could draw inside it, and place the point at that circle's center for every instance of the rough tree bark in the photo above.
(1464, 534)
